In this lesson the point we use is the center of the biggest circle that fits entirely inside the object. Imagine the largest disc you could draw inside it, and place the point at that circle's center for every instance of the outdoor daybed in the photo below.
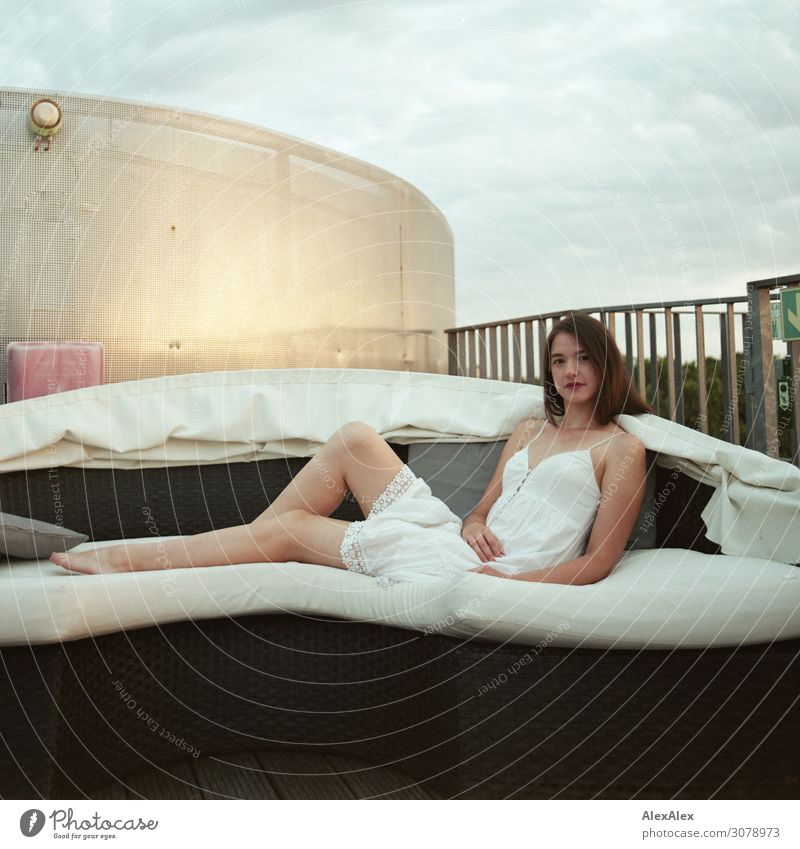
(676, 676)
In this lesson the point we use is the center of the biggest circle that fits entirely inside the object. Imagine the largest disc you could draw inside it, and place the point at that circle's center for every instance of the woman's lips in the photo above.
(572, 385)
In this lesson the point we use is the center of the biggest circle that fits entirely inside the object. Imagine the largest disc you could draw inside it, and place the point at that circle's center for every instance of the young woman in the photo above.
(559, 507)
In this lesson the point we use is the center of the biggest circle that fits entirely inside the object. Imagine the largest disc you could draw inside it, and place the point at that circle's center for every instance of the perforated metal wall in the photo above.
(186, 242)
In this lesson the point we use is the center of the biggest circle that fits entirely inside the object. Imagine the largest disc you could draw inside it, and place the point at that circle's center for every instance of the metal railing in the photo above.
(652, 338)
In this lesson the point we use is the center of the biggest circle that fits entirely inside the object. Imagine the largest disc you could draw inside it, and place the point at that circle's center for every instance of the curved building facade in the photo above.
(186, 242)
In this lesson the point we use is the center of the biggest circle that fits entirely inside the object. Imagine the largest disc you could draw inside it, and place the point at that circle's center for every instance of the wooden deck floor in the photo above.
(266, 775)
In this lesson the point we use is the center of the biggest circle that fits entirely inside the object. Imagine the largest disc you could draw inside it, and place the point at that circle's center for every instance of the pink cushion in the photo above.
(41, 368)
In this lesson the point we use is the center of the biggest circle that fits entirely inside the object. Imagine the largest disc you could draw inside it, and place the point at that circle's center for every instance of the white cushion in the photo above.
(657, 599)
(653, 599)
(41, 602)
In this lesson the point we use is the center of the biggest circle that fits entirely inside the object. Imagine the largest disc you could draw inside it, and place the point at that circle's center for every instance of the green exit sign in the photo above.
(790, 314)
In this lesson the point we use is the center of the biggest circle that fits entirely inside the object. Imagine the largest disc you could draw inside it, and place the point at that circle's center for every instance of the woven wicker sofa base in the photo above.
(466, 720)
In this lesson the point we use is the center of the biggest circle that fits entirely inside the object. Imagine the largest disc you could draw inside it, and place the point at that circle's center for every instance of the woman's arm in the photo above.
(473, 528)
(622, 493)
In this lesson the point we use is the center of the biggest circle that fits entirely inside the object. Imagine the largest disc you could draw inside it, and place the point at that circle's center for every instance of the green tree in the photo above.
(718, 417)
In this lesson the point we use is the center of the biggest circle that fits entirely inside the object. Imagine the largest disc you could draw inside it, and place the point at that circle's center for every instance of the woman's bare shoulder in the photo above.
(626, 445)
(526, 430)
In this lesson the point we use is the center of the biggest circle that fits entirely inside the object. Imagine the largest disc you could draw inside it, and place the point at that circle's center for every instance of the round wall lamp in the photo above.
(44, 118)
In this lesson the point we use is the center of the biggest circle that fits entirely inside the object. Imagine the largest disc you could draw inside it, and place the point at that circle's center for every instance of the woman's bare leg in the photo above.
(296, 526)
(355, 458)
(296, 535)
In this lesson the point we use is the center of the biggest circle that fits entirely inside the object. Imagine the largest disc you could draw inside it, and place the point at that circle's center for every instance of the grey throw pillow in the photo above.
(456, 472)
(30, 538)
(459, 472)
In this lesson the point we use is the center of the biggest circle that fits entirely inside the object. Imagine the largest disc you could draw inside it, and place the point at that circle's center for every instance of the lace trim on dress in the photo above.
(396, 487)
(351, 553)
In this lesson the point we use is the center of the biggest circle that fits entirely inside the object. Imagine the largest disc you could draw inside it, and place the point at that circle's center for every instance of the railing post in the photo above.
(530, 372)
(728, 377)
(612, 325)
(503, 329)
(762, 377)
(471, 353)
(678, 372)
(749, 413)
(542, 348)
(493, 365)
(794, 354)
(628, 343)
(733, 367)
(670, 362)
(640, 353)
(452, 353)
(655, 402)
(463, 368)
(702, 392)
(482, 352)
(516, 352)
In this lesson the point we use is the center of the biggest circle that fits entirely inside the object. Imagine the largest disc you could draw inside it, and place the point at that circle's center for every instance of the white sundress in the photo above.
(543, 517)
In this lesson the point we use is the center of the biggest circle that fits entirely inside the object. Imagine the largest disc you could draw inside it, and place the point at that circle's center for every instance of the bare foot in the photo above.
(112, 558)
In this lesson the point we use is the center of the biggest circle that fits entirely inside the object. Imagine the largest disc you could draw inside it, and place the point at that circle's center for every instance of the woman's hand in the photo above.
(488, 570)
(481, 540)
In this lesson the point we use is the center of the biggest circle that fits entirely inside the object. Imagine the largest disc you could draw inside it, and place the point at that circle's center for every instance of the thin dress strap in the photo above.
(603, 440)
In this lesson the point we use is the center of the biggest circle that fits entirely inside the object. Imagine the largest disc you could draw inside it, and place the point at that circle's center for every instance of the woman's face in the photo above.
(575, 377)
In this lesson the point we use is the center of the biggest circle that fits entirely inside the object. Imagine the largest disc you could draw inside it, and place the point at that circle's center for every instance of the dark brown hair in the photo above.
(617, 393)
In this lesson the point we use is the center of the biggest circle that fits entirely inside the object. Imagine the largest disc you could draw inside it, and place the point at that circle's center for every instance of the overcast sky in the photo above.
(584, 153)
